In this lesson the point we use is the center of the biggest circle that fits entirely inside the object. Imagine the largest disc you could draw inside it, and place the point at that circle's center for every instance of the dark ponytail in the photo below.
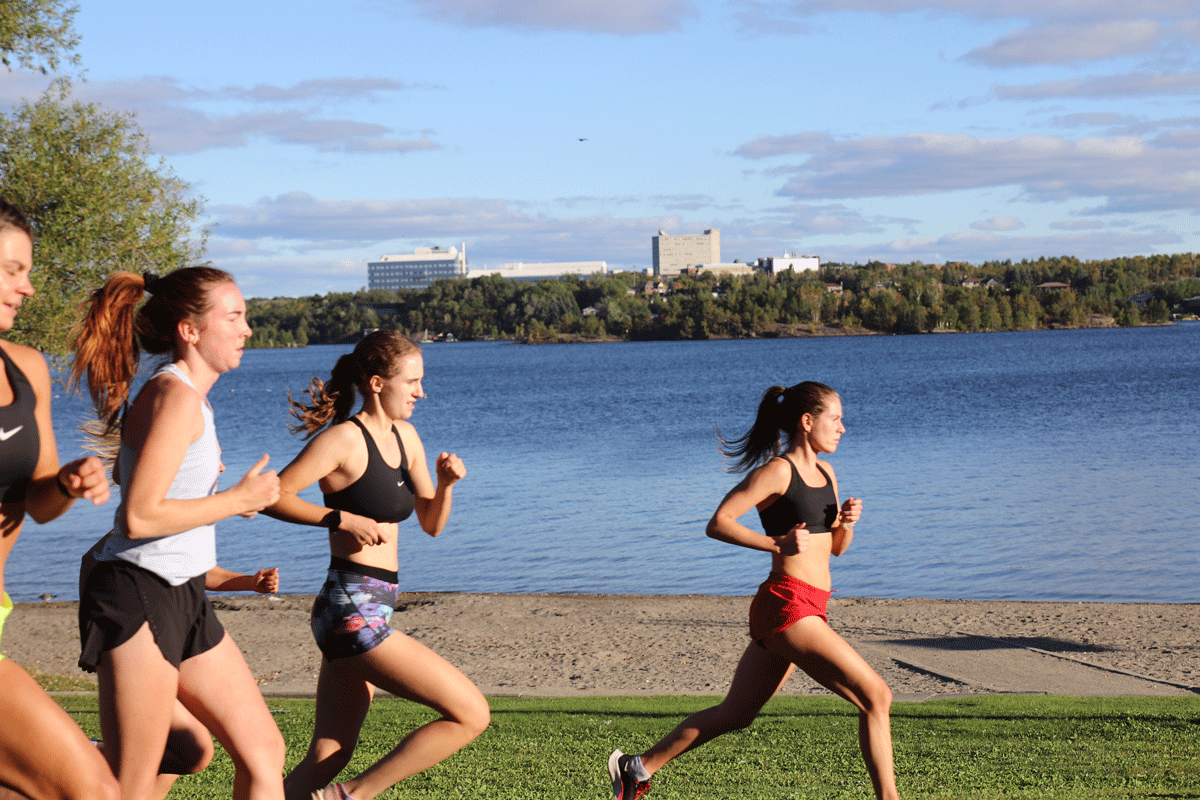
(776, 423)
(379, 353)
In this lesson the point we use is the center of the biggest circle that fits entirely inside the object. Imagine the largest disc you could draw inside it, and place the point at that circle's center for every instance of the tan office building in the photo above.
(673, 254)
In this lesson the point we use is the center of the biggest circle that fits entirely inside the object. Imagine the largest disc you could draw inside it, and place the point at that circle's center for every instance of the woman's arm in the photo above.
(762, 485)
(163, 421)
(432, 504)
(52, 489)
(320, 458)
(219, 579)
(843, 527)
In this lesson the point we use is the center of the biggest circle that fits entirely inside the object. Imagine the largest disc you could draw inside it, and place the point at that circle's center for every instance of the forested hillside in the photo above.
(841, 298)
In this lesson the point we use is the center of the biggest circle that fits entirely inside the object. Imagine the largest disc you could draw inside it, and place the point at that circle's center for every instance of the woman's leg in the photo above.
(217, 687)
(137, 701)
(343, 699)
(189, 744)
(818, 650)
(758, 676)
(406, 668)
(43, 753)
(189, 750)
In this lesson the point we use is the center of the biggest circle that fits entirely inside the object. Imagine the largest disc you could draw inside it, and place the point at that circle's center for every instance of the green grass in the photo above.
(62, 683)
(998, 746)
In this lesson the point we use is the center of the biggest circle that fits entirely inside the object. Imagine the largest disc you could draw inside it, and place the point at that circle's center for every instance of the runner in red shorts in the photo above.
(795, 493)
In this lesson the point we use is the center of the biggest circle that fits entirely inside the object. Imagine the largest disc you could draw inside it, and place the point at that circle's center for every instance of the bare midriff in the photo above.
(811, 566)
(381, 556)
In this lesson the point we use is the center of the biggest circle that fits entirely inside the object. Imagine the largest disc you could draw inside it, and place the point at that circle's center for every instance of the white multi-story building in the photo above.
(416, 271)
(793, 262)
(674, 254)
(521, 271)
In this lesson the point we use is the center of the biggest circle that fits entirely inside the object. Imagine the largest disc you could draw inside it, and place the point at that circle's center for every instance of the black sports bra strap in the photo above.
(372, 446)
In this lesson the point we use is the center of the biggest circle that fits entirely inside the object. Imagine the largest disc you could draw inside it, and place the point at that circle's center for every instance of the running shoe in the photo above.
(625, 786)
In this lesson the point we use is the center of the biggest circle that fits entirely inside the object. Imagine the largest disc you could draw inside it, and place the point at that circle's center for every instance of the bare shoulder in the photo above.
(344, 435)
(166, 406)
(773, 477)
(337, 447)
(777, 469)
(167, 392)
(29, 361)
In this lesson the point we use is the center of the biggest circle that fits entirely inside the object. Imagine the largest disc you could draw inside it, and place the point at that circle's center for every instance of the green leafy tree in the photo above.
(37, 34)
(83, 175)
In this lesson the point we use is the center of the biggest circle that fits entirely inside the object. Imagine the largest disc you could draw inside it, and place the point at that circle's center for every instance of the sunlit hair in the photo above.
(380, 353)
(13, 217)
(114, 331)
(777, 423)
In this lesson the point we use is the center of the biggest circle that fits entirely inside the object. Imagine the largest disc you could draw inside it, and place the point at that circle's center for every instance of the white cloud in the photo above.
(1070, 44)
(1129, 173)
(1106, 87)
(990, 9)
(1059, 32)
(496, 230)
(1078, 225)
(622, 17)
(998, 224)
(180, 119)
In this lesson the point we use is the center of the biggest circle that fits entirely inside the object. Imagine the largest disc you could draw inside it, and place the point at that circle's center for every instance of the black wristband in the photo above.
(62, 487)
(332, 520)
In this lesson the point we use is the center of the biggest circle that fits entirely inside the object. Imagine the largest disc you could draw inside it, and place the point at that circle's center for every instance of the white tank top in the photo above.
(181, 556)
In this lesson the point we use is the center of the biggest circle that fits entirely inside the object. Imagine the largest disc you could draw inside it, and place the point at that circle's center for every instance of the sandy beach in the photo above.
(558, 645)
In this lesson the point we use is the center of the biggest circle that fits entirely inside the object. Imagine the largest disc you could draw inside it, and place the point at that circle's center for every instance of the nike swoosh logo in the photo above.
(6, 435)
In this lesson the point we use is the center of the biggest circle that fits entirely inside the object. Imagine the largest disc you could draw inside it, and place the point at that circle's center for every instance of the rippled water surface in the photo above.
(1057, 465)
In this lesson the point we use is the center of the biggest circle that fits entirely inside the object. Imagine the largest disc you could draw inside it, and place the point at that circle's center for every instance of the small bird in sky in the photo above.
(582, 139)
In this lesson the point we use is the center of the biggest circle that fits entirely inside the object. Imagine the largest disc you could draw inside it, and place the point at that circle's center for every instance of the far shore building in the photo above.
(520, 271)
(774, 265)
(675, 253)
(418, 269)
(725, 270)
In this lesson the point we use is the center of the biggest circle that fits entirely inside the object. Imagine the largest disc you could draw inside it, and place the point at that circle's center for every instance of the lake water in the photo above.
(1052, 465)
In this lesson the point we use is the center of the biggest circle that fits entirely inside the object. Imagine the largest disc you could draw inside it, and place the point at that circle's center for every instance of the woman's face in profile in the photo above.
(826, 429)
(16, 262)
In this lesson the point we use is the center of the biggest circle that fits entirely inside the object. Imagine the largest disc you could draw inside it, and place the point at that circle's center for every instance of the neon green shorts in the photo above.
(5, 609)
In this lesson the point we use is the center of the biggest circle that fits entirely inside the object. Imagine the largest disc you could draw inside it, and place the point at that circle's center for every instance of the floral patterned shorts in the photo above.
(350, 615)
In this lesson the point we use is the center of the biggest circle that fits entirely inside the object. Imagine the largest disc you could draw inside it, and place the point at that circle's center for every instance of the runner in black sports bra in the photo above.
(19, 442)
(351, 612)
(816, 507)
(383, 493)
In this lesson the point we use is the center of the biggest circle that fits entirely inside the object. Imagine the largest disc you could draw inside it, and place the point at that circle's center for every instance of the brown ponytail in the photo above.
(114, 331)
(379, 353)
(778, 416)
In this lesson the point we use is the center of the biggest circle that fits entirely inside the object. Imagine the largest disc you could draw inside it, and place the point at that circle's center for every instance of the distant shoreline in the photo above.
(792, 332)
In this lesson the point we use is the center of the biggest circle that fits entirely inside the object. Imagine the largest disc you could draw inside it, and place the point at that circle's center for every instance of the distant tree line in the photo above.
(840, 298)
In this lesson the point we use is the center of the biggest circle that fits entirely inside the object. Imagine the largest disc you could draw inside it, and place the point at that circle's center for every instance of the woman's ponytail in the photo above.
(776, 423)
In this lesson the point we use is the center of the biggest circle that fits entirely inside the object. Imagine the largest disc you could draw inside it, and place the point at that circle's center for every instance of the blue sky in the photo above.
(322, 137)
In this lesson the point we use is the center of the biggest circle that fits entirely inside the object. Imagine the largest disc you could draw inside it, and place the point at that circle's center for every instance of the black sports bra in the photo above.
(19, 442)
(817, 508)
(383, 493)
